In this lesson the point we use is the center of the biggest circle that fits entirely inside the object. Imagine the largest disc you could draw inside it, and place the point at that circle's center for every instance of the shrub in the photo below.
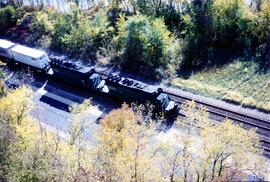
(216, 31)
(6, 18)
(41, 28)
(261, 33)
(88, 36)
(33, 26)
(62, 27)
(231, 20)
(145, 45)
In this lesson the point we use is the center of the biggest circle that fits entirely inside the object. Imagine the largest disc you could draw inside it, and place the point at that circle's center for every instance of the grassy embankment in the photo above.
(238, 82)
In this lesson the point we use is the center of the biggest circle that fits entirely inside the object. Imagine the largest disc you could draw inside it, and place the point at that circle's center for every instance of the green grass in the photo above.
(238, 82)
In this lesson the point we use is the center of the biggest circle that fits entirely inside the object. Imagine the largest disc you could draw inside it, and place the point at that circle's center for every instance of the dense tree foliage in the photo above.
(6, 18)
(88, 36)
(153, 38)
(146, 44)
(263, 32)
(147, 37)
(126, 148)
(210, 32)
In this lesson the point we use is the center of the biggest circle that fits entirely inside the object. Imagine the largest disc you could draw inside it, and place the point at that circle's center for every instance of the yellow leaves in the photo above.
(266, 9)
(232, 144)
(80, 119)
(124, 151)
(159, 24)
(43, 20)
(2, 88)
(83, 108)
(227, 137)
(28, 131)
(16, 104)
(117, 119)
(218, 146)
(195, 116)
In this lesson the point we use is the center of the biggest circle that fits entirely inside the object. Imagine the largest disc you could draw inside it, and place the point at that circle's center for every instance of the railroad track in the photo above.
(262, 126)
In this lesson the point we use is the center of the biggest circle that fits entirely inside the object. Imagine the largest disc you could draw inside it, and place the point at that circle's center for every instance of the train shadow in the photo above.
(166, 124)
(54, 103)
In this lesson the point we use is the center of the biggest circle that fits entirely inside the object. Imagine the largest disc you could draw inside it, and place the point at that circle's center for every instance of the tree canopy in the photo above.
(127, 149)
(149, 37)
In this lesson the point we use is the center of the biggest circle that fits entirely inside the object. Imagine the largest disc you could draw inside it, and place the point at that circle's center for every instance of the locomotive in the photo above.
(112, 85)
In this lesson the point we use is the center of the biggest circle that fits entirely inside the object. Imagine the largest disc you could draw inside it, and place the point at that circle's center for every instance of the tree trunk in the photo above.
(184, 162)
(173, 167)
(204, 176)
(220, 168)
(214, 166)
(267, 53)
(198, 176)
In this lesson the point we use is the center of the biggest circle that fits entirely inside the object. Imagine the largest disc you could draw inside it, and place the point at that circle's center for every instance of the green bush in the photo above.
(216, 31)
(88, 36)
(145, 45)
(231, 20)
(41, 28)
(62, 27)
(6, 18)
(261, 34)
(73, 33)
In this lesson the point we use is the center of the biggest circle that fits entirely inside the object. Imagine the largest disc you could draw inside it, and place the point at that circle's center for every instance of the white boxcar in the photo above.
(4, 48)
(29, 56)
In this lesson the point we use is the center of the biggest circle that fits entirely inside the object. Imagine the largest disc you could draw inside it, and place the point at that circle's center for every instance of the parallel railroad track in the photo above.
(262, 126)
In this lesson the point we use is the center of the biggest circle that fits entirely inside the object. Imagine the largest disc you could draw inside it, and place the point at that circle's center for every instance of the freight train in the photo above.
(125, 89)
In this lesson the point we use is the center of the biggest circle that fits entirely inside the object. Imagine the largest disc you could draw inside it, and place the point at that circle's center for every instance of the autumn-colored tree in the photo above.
(207, 151)
(2, 89)
(79, 120)
(127, 147)
(80, 123)
(17, 104)
(28, 150)
(124, 152)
